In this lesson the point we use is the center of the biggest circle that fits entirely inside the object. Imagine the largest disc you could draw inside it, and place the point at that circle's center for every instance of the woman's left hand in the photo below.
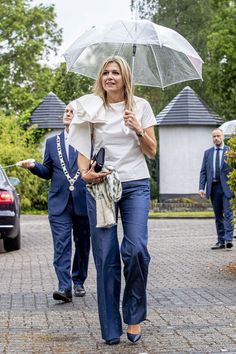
(131, 121)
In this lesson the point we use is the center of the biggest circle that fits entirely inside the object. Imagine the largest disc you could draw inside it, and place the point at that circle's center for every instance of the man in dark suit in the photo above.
(67, 211)
(214, 175)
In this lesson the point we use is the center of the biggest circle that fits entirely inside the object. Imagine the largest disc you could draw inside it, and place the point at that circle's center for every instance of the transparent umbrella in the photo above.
(228, 128)
(158, 56)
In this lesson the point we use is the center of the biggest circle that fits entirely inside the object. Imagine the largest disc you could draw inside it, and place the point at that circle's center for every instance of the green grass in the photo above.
(182, 214)
(34, 212)
(169, 214)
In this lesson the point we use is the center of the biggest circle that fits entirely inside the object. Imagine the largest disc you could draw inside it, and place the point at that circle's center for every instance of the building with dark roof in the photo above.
(188, 109)
(185, 127)
(49, 113)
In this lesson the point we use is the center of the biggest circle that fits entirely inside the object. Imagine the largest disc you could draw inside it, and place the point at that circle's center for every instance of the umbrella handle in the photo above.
(133, 58)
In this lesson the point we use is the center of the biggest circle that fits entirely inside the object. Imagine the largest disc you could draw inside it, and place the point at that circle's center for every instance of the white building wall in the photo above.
(181, 151)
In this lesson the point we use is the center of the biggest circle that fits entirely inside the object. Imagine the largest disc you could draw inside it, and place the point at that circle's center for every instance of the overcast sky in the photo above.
(76, 16)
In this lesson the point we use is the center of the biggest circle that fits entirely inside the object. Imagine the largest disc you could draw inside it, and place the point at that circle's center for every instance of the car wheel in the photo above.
(13, 244)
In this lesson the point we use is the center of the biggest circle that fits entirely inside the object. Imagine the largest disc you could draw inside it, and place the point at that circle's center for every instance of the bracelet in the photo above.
(140, 133)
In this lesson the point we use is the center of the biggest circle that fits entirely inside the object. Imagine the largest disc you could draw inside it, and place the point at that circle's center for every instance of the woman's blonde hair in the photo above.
(126, 76)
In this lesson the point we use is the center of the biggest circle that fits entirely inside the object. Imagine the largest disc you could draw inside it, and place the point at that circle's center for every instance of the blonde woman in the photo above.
(124, 125)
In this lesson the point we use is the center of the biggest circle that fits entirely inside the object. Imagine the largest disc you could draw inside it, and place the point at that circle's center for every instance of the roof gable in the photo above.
(49, 113)
(187, 109)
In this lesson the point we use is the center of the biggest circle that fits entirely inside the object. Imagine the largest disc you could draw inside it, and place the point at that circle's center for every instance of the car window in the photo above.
(2, 177)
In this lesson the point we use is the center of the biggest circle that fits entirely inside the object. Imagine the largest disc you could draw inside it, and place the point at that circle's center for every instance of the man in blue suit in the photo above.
(214, 175)
(67, 211)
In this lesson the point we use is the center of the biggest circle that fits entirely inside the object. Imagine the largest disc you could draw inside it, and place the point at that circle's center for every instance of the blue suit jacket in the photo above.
(59, 189)
(206, 173)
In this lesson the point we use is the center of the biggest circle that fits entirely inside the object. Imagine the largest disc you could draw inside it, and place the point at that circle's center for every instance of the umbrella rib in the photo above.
(158, 67)
(128, 32)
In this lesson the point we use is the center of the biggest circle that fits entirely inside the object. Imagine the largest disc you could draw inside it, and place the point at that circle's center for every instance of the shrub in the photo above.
(18, 144)
(231, 160)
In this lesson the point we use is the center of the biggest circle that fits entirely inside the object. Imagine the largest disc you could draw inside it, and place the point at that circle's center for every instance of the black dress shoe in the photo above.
(218, 246)
(229, 245)
(63, 295)
(79, 291)
(113, 341)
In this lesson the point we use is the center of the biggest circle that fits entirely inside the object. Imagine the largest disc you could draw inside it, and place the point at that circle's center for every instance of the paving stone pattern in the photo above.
(191, 296)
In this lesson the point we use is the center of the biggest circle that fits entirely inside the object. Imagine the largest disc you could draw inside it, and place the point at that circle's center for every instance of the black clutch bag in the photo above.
(99, 157)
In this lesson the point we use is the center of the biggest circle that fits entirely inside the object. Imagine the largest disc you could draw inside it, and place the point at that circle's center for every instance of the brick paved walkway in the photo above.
(191, 296)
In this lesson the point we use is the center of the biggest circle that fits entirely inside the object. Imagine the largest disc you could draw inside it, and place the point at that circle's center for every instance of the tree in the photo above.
(69, 86)
(220, 64)
(27, 36)
(145, 8)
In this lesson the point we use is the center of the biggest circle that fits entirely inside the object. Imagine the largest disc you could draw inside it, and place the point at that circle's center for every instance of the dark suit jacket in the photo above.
(59, 189)
(206, 173)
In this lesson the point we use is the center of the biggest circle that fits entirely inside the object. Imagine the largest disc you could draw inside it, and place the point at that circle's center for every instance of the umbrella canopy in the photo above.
(228, 128)
(158, 56)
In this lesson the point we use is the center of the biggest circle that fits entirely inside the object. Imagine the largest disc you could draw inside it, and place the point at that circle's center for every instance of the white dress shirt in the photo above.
(66, 143)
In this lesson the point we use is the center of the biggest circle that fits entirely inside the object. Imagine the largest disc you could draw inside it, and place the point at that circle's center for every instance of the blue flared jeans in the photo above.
(133, 206)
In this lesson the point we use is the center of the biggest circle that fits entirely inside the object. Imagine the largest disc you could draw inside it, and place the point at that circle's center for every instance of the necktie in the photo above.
(217, 165)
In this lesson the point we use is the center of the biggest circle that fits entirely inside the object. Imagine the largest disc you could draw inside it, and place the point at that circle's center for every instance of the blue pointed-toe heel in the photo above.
(134, 338)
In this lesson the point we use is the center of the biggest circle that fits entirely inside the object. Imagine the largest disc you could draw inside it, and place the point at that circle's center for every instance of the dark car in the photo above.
(10, 236)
